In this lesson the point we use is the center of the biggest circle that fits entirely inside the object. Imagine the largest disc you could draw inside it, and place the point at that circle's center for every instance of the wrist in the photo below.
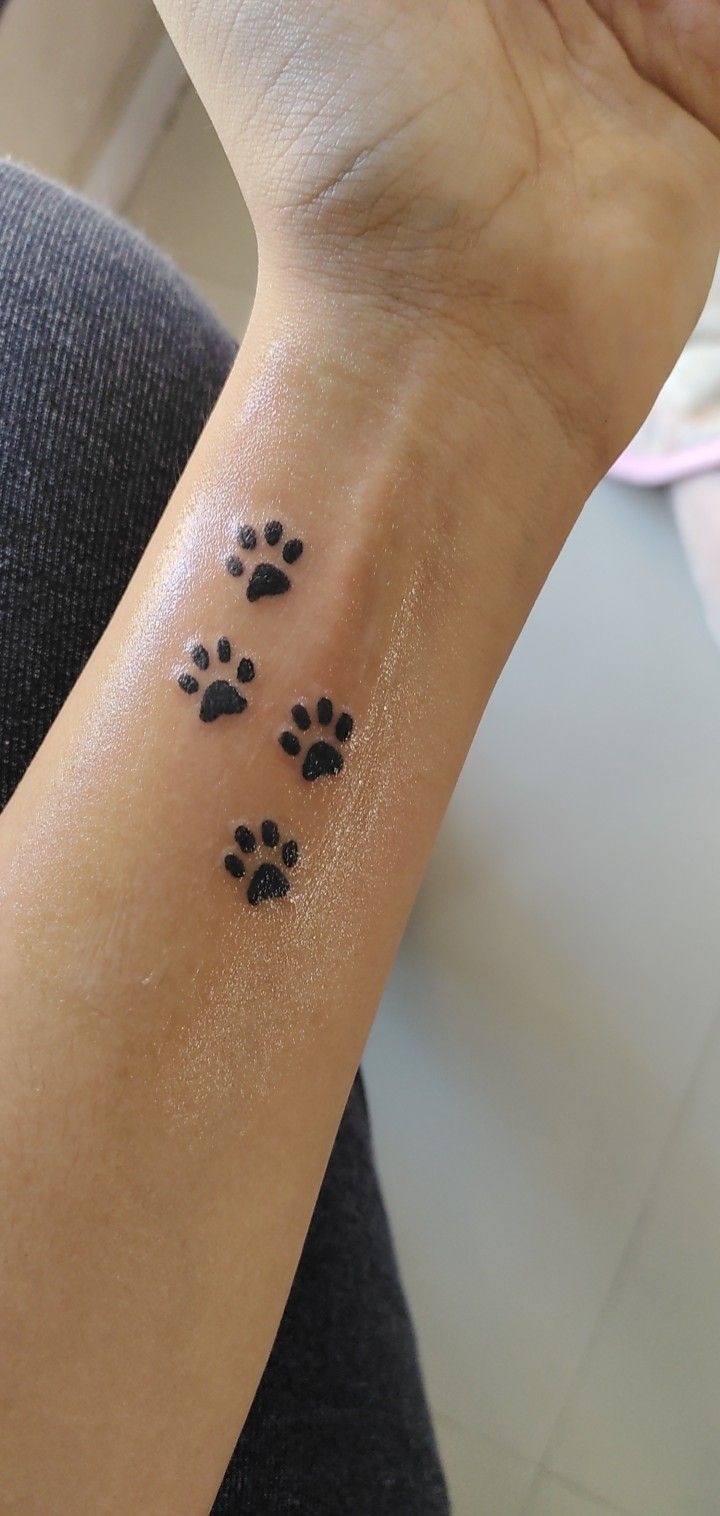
(433, 485)
(462, 397)
(550, 326)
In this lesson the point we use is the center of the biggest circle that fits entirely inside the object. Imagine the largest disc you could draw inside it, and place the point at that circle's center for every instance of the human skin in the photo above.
(483, 238)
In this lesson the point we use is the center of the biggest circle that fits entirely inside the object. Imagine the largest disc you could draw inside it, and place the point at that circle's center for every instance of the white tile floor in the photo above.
(553, 1498)
(545, 1069)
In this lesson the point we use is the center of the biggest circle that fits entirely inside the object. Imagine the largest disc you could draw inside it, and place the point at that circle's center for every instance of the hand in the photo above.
(540, 177)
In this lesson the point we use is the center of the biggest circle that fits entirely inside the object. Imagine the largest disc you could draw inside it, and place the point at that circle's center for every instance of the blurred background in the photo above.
(545, 1070)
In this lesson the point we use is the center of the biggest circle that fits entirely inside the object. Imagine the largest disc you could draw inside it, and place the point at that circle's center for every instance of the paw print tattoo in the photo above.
(268, 881)
(221, 697)
(321, 757)
(266, 578)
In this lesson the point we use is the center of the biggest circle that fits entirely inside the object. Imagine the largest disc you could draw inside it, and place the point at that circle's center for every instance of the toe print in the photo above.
(268, 880)
(220, 697)
(266, 578)
(321, 756)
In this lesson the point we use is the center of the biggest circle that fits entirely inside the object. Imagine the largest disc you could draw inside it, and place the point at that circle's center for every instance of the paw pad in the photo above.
(266, 578)
(268, 881)
(220, 697)
(322, 757)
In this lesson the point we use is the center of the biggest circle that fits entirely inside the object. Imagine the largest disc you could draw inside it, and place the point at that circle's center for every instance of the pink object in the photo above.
(653, 470)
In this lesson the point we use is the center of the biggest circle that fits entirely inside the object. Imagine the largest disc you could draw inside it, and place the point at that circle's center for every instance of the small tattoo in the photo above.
(267, 881)
(321, 757)
(266, 578)
(221, 697)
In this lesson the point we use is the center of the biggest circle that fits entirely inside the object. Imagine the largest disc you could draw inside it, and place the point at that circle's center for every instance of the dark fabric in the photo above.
(109, 365)
(339, 1423)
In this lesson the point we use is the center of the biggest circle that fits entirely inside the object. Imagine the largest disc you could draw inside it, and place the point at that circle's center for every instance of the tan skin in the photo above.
(485, 230)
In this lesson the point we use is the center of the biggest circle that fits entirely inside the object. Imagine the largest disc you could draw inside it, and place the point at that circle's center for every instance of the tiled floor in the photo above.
(551, 1497)
(545, 1065)
(545, 1069)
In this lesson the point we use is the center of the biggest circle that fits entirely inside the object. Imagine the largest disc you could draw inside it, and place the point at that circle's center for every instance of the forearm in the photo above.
(179, 1056)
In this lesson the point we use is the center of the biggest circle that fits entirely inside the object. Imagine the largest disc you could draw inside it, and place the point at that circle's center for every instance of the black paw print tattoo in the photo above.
(220, 697)
(321, 756)
(268, 880)
(266, 578)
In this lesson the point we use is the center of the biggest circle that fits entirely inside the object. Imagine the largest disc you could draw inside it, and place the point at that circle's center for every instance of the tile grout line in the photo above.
(621, 1267)
(605, 1507)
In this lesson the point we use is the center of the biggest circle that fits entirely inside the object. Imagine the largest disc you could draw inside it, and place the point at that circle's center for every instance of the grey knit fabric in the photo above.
(109, 366)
